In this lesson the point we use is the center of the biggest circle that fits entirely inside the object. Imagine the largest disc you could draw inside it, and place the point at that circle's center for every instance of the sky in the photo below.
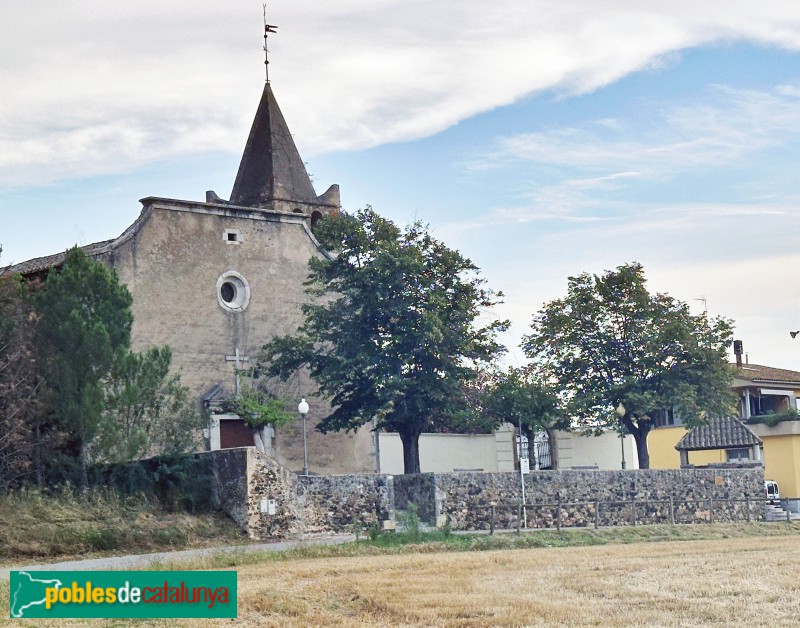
(540, 139)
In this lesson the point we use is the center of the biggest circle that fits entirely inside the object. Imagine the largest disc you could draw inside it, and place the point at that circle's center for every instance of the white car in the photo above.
(771, 489)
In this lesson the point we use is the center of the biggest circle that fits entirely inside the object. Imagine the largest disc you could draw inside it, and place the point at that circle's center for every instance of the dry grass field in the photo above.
(738, 581)
(741, 581)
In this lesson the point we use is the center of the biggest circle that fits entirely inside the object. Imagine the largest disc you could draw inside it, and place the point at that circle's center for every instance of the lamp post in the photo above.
(522, 475)
(620, 410)
(302, 408)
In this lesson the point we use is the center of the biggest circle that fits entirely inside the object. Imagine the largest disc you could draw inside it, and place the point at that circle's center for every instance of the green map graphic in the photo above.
(27, 591)
(129, 594)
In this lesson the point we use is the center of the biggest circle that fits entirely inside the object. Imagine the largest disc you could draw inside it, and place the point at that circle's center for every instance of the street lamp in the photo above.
(521, 474)
(620, 410)
(302, 408)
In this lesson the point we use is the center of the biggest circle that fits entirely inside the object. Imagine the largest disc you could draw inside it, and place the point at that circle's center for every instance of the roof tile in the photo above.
(718, 433)
(760, 373)
(49, 261)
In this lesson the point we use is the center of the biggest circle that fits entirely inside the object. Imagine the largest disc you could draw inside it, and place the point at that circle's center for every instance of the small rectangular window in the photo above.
(667, 417)
(737, 455)
(232, 236)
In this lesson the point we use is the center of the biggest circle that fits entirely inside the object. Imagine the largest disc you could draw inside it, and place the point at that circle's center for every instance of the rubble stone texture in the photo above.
(352, 503)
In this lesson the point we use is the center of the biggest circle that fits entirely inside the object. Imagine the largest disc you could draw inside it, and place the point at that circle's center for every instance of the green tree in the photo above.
(262, 406)
(257, 408)
(85, 322)
(393, 333)
(20, 403)
(611, 342)
(146, 410)
(519, 397)
(470, 415)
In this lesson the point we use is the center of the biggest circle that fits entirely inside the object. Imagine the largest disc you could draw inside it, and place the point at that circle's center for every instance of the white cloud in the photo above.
(603, 158)
(752, 292)
(741, 257)
(735, 123)
(348, 74)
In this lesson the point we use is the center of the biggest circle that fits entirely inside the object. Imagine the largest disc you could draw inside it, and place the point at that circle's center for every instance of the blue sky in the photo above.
(540, 141)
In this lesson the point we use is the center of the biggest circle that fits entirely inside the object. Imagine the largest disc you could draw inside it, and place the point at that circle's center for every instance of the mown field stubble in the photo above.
(738, 581)
(744, 581)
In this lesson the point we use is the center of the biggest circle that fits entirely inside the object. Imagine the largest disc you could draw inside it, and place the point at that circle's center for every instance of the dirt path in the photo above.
(135, 561)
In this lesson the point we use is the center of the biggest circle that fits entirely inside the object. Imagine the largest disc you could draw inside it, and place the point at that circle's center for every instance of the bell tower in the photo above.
(272, 175)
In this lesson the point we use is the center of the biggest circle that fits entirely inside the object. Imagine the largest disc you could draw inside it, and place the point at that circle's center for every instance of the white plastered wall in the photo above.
(452, 452)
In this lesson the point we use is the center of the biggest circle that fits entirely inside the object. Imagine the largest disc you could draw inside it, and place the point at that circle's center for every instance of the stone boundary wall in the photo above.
(268, 480)
(465, 498)
(229, 486)
(339, 502)
(418, 489)
(246, 479)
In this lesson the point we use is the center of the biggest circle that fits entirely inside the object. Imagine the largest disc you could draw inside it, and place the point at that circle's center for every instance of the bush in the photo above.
(103, 539)
(409, 521)
(374, 532)
(179, 483)
(46, 524)
(773, 418)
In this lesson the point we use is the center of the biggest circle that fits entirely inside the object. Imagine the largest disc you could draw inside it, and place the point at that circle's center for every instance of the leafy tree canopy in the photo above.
(20, 405)
(147, 411)
(610, 342)
(70, 388)
(394, 331)
(470, 416)
(85, 320)
(519, 397)
(258, 408)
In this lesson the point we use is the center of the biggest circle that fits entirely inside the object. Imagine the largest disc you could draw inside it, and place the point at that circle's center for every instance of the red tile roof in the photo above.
(718, 433)
(760, 373)
(39, 264)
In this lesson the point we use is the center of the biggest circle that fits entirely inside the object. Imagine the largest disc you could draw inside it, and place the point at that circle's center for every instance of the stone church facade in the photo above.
(215, 280)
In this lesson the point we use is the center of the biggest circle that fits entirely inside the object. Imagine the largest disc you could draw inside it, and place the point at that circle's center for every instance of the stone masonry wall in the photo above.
(230, 482)
(171, 261)
(340, 502)
(418, 489)
(271, 481)
(323, 504)
(245, 478)
(625, 497)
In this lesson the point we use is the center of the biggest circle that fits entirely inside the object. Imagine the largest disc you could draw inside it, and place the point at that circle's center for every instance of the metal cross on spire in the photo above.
(268, 28)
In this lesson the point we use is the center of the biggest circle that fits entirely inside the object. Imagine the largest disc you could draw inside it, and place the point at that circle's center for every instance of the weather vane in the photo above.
(704, 301)
(268, 28)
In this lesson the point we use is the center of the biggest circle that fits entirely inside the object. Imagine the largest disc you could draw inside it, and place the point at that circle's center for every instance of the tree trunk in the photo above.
(84, 467)
(37, 456)
(410, 442)
(640, 437)
(131, 477)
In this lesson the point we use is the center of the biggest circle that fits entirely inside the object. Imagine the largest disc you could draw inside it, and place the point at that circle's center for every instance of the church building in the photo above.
(215, 280)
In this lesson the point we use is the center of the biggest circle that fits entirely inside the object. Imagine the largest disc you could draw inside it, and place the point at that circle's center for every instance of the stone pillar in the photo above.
(504, 446)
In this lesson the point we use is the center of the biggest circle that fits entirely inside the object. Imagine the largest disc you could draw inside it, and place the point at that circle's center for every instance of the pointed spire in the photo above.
(271, 168)
(272, 175)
